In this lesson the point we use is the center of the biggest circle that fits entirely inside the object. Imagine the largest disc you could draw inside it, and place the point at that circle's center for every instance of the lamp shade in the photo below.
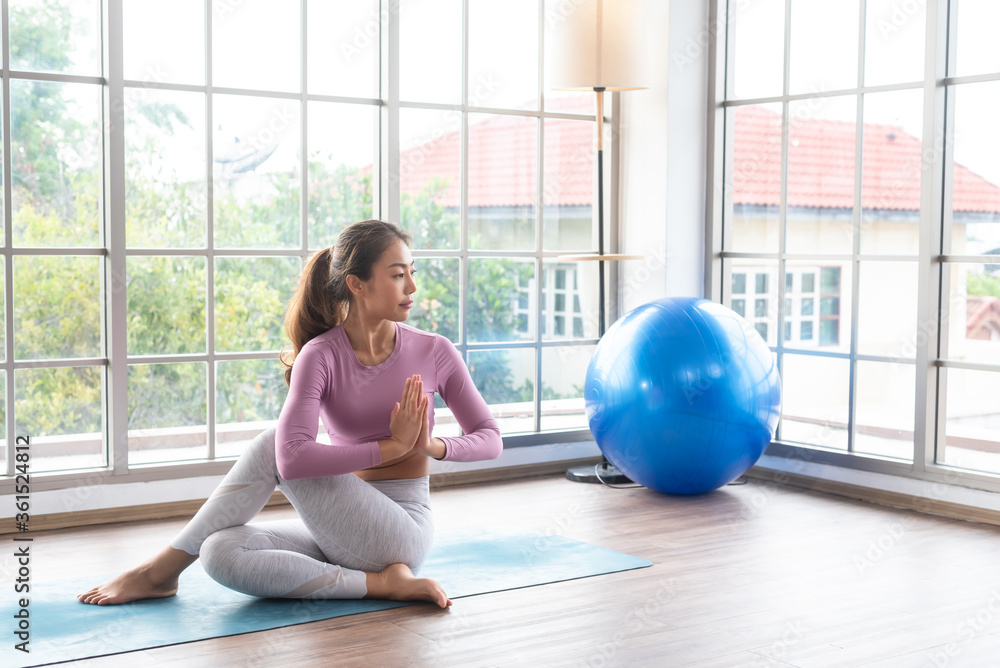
(596, 44)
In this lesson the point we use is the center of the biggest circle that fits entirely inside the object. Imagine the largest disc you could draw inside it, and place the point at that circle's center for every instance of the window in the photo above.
(497, 184)
(756, 306)
(249, 176)
(54, 358)
(176, 258)
(876, 198)
(562, 306)
(829, 306)
(811, 317)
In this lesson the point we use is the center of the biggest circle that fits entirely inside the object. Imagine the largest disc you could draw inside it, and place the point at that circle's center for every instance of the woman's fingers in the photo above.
(406, 420)
(413, 397)
(407, 398)
(413, 392)
(410, 414)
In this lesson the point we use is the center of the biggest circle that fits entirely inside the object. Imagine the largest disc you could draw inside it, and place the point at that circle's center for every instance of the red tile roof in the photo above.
(502, 165)
(983, 320)
(820, 168)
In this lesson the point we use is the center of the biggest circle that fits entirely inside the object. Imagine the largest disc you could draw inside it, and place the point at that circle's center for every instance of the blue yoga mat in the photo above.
(466, 563)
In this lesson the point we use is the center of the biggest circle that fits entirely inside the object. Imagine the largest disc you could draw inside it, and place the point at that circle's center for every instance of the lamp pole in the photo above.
(597, 50)
(602, 318)
(604, 471)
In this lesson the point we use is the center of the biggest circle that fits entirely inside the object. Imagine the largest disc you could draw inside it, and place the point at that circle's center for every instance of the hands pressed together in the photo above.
(410, 424)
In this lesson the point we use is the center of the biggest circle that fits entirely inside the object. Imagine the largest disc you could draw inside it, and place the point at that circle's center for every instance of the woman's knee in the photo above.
(256, 461)
(262, 444)
(222, 548)
(413, 554)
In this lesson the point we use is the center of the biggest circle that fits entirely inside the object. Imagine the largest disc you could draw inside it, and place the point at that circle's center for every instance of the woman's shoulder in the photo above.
(411, 332)
(424, 341)
(328, 343)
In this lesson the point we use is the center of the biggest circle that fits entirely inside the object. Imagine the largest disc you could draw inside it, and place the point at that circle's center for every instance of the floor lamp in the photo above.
(596, 47)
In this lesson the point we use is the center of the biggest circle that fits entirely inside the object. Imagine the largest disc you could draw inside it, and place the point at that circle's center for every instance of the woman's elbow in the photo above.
(285, 461)
(494, 444)
(285, 471)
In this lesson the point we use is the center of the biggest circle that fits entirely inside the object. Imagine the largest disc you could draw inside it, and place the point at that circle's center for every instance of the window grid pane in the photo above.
(56, 154)
(166, 200)
(167, 412)
(505, 378)
(971, 422)
(166, 305)
(61, 409)
(57, 307)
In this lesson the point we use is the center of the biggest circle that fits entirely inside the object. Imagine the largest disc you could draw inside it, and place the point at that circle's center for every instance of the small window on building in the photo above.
(760, 286)
(808, 283)
(829, 306)
(739, 284)
(806, 330)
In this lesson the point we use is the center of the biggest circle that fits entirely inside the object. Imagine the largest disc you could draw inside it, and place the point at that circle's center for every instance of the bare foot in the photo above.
(132, 585)
(397, 583)
(156, 578)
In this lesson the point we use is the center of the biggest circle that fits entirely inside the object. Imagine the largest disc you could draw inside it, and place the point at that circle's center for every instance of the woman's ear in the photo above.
(354, 284)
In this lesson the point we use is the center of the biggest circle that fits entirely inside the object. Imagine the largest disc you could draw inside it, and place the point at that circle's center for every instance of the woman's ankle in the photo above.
(167, 565)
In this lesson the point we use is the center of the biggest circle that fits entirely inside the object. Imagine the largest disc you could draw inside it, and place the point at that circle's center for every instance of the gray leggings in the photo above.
(348, 527)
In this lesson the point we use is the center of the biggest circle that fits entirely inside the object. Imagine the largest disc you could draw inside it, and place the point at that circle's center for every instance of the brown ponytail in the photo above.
(322, 298)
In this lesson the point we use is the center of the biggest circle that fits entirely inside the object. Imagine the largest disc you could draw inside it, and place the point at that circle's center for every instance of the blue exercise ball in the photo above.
(682, 395)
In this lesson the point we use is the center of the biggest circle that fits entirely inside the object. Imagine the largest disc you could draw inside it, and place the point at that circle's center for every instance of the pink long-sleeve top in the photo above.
(356, 401)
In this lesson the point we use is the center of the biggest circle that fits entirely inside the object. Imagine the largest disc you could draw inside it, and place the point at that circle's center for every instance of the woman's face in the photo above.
(388, 294)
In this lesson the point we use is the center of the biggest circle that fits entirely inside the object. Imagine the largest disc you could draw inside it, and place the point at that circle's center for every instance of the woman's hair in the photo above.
(322, 298)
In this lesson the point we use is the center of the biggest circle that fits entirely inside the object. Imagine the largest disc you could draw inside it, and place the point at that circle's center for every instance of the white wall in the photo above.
(663, 149)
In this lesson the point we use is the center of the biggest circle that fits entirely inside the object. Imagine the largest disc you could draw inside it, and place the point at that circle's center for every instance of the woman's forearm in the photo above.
(480, 443)
(436, 448)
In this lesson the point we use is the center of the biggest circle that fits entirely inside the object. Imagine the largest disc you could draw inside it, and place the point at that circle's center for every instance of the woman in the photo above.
(363, 502)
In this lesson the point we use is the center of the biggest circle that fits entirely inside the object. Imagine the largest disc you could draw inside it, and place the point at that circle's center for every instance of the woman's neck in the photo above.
(372, 342)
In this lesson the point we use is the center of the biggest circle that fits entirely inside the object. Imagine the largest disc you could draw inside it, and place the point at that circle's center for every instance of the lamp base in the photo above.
(603, 473)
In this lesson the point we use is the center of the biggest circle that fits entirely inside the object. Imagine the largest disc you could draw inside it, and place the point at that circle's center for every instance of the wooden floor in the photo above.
(750, 575)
